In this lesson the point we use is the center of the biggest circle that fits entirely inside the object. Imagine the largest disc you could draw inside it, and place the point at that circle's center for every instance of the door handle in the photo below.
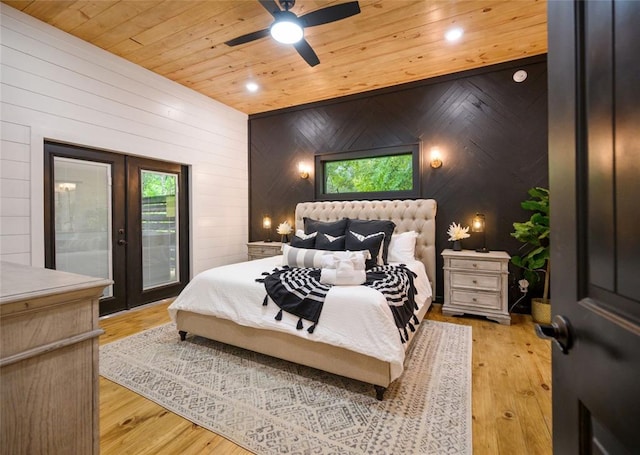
(559, 331)
(121, 242)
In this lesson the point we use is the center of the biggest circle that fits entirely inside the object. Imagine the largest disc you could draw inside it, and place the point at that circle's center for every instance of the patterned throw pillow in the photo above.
(302, 257)
(367, 227)
(329, 242)
(334, 228)
(371, 242)
(302, 240)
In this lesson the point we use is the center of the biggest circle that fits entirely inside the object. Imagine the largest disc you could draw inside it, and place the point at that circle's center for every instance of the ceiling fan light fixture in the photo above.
(287, 29)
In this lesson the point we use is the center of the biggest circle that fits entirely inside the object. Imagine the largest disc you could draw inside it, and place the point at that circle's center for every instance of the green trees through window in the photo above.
(374, 174)
(158, 184)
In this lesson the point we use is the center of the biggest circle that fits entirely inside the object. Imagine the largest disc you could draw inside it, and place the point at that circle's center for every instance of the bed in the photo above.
(195, 310)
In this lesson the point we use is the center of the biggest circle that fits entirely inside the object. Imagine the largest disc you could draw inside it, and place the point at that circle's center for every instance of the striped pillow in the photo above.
(302, 257)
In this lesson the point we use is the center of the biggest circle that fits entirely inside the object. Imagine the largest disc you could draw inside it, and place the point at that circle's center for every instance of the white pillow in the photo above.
(335, 258)
(403, 247)
(302, 257)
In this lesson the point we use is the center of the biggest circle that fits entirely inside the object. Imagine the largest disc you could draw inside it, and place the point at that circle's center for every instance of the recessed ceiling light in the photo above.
(454, 34)
(520, 76)
(252, 86)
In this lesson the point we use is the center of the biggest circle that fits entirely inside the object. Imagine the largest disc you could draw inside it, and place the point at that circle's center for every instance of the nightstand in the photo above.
(259, 250)
(476, 283)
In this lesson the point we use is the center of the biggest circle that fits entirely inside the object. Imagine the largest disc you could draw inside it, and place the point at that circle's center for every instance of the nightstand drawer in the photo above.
(470, 264)
(259, 250)
(476, 299)
(483, 282)
(265, 251)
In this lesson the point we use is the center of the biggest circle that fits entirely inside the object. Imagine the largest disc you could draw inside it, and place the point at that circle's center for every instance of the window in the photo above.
(375, 173)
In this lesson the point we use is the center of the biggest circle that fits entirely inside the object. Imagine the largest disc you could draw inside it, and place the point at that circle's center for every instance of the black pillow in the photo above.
(372, 242)
(329, 242)
(333, 228)
(299, 242)
(367, 227)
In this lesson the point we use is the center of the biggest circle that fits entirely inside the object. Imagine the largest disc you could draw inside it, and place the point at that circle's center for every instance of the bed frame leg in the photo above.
(183, 335)
(379, 392)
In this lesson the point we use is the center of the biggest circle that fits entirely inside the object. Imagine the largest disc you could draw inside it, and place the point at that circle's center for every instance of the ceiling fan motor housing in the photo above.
(287, 4)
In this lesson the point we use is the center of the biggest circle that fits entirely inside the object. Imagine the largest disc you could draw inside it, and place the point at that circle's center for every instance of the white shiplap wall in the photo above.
(55, 86)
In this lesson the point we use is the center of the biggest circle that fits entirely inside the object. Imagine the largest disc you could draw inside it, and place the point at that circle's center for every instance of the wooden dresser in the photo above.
(48, 361)
(476, 283)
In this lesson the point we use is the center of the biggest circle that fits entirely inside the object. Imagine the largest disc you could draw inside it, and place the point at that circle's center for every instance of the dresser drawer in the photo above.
(482, 282)
(476, 299)
(471, 264)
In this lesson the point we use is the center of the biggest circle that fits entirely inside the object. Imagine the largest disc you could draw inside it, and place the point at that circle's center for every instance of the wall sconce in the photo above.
(436, 158)
(266, 225)
(304, 170)
(478, 225)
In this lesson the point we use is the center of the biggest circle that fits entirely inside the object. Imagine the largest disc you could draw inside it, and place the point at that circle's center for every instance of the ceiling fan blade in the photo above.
(248, 37)
(305, 51)
(271, 6)
(330, 14)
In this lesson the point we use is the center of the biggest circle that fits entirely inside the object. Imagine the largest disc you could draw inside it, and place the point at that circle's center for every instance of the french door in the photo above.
(120, 217)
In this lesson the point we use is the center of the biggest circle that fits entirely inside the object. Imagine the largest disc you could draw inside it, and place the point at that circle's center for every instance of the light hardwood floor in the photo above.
(511, 394)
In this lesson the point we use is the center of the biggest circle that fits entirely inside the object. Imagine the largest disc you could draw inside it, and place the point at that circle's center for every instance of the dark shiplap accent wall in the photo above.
(491, 131)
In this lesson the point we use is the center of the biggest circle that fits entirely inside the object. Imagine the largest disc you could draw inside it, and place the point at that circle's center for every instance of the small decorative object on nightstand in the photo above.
(259, 250)
(266, 225)
(476, 283)
(478, 225)
(284, 229)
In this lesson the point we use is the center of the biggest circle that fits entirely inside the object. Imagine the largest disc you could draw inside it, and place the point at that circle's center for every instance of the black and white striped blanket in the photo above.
(298, 291)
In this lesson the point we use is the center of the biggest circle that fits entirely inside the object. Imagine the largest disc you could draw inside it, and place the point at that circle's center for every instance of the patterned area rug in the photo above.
(271, 406)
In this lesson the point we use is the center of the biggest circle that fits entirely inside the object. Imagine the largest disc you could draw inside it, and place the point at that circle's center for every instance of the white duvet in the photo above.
(357, 318)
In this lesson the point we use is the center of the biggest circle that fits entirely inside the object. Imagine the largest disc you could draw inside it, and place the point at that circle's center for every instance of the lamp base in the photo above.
(484, 249)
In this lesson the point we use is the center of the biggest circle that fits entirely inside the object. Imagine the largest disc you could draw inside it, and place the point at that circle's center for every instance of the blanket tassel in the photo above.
(261, 280)
(311, 329)
(299, 326)
(415, 320)
(266, 300)
(279, 316)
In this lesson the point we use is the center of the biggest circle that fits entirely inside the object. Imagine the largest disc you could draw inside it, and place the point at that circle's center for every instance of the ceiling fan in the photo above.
(289, 29)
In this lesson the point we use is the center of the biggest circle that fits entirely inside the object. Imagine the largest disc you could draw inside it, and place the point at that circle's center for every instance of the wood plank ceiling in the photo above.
(390, 42)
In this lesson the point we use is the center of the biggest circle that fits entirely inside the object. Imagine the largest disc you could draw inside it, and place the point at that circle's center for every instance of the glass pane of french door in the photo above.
(83, 215)
(160, 221)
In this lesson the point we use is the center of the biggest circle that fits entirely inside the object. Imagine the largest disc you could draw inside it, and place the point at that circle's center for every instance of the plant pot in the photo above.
(541, 310)
(457, 245)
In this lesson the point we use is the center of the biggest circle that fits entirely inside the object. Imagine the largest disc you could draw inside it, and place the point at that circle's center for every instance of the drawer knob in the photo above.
(474, 299)
(475, 265)
(475, 281)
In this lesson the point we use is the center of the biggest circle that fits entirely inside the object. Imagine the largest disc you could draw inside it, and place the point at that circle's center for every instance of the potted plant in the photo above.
(534, 260)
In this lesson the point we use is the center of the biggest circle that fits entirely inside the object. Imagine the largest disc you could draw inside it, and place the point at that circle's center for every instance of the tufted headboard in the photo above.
(409, 215)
